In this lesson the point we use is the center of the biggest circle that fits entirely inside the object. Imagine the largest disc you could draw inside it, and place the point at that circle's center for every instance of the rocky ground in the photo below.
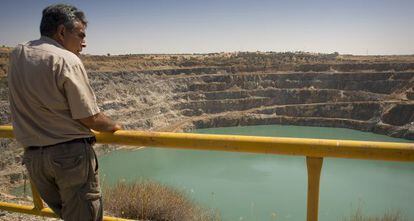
(183, 92)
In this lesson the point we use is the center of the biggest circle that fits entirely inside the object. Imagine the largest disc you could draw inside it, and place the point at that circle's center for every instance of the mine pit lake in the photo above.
(259, 187)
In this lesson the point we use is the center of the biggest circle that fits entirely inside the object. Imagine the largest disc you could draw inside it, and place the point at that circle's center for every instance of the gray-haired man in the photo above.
(53, 109)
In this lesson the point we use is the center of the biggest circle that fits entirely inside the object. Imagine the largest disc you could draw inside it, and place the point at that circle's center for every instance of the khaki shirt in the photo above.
(49, 90)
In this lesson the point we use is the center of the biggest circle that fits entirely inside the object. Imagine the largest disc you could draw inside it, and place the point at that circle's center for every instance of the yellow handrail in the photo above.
(314, 150)
(369, 150)
(266, 145)
(47, 212)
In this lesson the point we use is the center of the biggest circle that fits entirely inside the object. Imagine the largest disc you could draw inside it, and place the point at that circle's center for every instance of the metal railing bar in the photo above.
(314, 166)
(37, 200)
(47, 212)
(389, 151)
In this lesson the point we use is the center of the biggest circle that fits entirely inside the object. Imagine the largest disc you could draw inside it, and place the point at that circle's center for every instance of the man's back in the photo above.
(43, 79)
(53, 109)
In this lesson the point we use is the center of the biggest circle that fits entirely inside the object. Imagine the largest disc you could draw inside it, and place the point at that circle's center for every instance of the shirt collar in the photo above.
(51, 41)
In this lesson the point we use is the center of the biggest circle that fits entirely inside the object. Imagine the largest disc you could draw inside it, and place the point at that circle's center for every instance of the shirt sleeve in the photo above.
(79, 93)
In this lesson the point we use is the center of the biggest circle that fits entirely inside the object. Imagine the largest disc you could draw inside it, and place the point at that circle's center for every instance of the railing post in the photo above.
(314, 165)
(37, 200)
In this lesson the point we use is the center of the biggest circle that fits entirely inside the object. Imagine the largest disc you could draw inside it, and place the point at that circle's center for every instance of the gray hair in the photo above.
(58, 14)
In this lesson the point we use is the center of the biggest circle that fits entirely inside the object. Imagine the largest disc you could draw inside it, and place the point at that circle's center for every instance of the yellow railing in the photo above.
(313, 149)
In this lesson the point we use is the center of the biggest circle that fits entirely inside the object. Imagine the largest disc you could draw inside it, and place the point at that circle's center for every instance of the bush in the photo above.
(387, 216)
(148, 200)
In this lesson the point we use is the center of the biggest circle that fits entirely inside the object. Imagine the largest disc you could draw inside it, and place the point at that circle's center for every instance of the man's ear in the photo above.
(60, 32)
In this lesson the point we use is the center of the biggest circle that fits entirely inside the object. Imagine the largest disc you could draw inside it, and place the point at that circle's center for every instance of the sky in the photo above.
(360, 27)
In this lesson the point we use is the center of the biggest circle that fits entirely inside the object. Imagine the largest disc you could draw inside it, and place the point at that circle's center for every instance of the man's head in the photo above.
(65, 24)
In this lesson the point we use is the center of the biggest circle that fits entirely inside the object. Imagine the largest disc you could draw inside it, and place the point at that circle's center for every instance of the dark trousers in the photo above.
(66, 176)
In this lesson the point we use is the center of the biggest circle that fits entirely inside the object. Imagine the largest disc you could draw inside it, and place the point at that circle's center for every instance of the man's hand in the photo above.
(100, 122)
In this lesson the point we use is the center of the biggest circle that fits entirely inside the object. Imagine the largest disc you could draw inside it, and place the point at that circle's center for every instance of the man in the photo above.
(53, 109)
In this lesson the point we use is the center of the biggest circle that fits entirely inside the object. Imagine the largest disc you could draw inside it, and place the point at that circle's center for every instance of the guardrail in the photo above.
(313, 149)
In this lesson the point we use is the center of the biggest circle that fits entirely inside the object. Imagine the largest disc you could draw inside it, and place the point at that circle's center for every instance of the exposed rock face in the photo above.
(140, 101)
(380, 102)
(370, 101)
(399, 115)
(180, 92)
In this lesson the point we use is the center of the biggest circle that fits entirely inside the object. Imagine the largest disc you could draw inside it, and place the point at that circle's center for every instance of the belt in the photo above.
(89, 140)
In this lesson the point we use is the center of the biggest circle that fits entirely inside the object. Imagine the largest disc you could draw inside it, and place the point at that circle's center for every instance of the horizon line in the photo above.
(233, 52)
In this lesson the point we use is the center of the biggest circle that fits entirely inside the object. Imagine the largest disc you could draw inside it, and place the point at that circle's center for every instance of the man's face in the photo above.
(74, 40)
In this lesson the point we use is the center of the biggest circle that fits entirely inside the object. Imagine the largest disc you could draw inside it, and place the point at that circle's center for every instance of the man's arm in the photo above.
(100, 122)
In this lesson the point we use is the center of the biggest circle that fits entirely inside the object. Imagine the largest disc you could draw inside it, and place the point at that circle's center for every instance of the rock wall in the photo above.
(380, 102)
(154, 101)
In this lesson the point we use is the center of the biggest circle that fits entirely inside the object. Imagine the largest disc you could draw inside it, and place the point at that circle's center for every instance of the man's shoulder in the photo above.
(66, 56)
(49, 50)
(17, 49)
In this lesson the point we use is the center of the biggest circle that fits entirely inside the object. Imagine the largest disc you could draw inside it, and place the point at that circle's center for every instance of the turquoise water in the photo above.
(262, 187)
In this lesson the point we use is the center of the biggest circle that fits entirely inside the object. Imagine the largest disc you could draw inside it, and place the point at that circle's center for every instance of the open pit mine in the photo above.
(188, 91)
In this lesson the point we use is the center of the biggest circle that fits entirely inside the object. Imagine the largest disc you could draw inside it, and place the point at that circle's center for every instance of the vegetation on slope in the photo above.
(148, 200)
(237, 61)
(358, 215)
(249, 61)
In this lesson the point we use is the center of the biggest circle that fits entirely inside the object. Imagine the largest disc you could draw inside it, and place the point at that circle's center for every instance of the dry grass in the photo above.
(148, 200)
(377, 58)
(387, 216)
(246, 61)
